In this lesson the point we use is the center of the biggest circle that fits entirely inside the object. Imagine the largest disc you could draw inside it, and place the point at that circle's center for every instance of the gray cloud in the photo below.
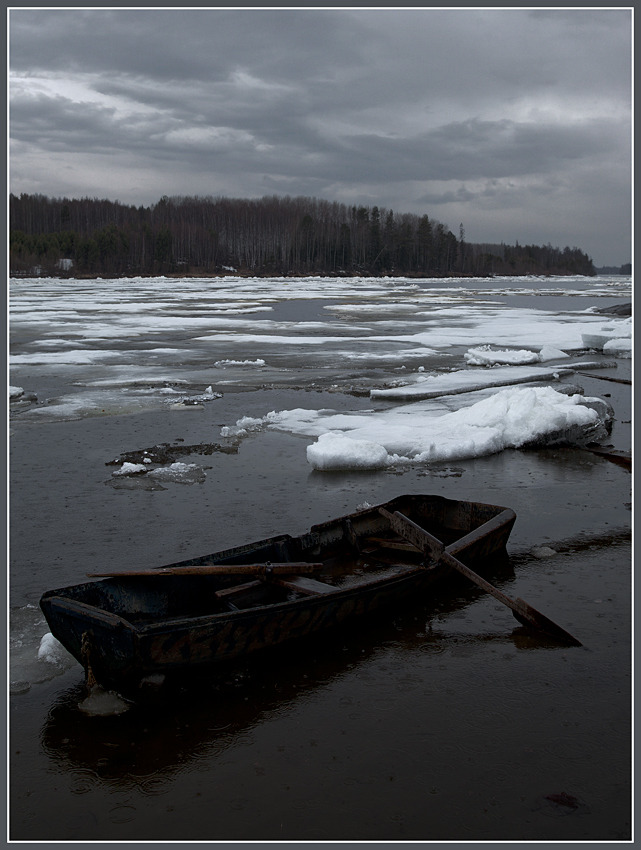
(463, 114)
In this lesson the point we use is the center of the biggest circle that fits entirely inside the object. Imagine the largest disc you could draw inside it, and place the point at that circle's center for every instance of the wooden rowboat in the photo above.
(130, 628)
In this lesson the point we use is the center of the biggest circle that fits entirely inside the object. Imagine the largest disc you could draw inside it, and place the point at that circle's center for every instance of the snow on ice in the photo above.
(222, 363)
(487, 356)
(421, 386)
(425, 432)
(618, 347)
(130, 469)
(177, 473)
(52, 651)
(438, 357)
(615, 337)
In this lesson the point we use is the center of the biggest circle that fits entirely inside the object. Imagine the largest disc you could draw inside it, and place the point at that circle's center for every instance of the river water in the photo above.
(446, 721)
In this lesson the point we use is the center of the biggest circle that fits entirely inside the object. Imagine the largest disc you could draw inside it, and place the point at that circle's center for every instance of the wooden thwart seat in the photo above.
(228, 594)
(387, 543)
(303, 584)
(237, 588)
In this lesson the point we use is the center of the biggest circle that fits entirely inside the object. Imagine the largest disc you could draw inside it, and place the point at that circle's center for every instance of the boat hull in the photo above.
(125, 630)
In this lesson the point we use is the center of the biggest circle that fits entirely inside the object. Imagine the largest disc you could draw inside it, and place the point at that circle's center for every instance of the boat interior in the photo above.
(348, 552)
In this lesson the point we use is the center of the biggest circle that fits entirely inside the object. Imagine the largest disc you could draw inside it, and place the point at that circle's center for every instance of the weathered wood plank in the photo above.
(302, 584)
(217, 569)
(385, 543)
(238, 588)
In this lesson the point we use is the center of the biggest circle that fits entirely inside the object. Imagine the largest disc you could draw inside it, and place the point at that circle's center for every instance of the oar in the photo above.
(264, 569)
(432, 546)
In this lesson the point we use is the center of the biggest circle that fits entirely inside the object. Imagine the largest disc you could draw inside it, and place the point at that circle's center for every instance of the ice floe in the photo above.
(488, 356)
(52, 651)
(425, 432)
(260, 363)
(130, 469)
(179, 473)
(35, 655)
(421, 386)
(176, 473)
(135, 344)
(600, 337)
(618, 347)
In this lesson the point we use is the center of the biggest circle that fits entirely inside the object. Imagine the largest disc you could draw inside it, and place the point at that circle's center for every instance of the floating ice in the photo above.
(222, 363)
(618, 347)
(194, 402)
(130, 469)
(242, 427)
(65, 358)
(337, 451)
(102, 703)
(34, 657)
(401, 354)
(467, 380)
(52, 651)
(512, 418)
(427, 432)
(599, 337)
(15, 392)
(179, 473)
(186, 405)
(139, 476)
(487, 356)
(548, 352)
(595, 340)
(125, 336)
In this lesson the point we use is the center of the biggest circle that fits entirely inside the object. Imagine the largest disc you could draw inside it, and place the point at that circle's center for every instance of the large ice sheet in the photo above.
(428, 432)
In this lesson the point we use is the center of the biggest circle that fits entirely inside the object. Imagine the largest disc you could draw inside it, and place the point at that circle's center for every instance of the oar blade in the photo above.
(528, 616)
(429, 544)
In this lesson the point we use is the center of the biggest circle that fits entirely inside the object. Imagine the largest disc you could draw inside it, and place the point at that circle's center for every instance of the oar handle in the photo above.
(432, 546)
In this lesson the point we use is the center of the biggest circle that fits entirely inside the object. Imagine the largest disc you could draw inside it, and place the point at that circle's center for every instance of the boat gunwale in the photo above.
(337, 595)
(403, 571)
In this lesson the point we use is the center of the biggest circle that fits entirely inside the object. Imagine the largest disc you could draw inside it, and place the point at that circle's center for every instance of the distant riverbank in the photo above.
(264, 275)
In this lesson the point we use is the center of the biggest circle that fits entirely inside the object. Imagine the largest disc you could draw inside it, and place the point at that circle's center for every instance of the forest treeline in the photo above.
(267, 236)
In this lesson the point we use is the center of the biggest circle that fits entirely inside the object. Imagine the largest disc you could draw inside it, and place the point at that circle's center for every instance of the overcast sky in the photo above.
(514, 122)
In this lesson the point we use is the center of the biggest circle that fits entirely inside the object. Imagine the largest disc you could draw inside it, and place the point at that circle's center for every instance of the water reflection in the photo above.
(201, 716)
(193, 720)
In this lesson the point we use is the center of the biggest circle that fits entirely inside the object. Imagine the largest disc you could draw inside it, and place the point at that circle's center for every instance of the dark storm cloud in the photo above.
(458, 109)
(478, 149)
(56, 123)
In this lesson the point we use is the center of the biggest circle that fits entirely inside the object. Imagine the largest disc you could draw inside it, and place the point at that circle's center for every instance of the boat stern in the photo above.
(104, 643)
